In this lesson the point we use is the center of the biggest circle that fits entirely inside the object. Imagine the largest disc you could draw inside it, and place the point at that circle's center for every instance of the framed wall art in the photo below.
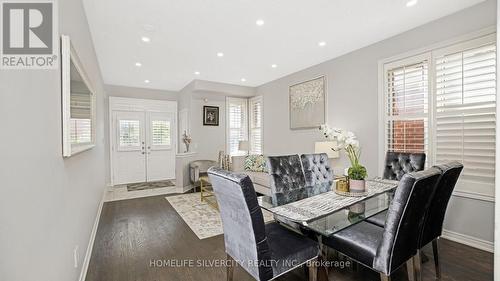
(307, 104)
(210, 115)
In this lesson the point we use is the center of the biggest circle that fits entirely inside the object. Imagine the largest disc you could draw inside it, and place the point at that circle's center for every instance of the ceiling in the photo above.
(186, 35)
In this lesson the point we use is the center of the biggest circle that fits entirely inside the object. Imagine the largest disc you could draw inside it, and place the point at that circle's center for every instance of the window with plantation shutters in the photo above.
(407, 107)
(443, 103)
(255, 139)
(237, 124)
(465, 103)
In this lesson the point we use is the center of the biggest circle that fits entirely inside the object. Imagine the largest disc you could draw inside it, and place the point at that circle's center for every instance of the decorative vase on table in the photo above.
(347, 141)
(357, 175)
(357, 186)
(186, 139)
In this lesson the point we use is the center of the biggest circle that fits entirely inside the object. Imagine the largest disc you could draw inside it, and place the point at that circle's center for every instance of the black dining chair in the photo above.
(397, 164)
(288, 183)
(386, 249)
(434, 218)
(318, 173)
(265, 251)
(433, 226)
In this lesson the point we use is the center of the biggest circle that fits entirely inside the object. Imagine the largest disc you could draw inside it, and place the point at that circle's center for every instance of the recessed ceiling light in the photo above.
(196, 73)
(259, 22)
(411, 3)
(274, 65)
(220, 54)
(145, 39)
(243, 79)
(148, 27)
(138, 64)
(322, 43)
(146, 81)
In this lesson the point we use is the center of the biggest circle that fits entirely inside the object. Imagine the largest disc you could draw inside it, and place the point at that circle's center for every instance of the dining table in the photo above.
(325, 214)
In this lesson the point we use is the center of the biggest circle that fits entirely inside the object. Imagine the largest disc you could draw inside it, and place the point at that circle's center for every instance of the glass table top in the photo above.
(348, 216)
(339, 219)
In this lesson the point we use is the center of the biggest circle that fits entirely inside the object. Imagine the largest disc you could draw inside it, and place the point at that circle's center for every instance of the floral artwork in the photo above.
(307, 104)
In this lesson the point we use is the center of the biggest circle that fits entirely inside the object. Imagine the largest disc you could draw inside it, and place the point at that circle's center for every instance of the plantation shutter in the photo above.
(256, 125)
(407, 115)
(80, 113)
(465, 103)
(237, 129)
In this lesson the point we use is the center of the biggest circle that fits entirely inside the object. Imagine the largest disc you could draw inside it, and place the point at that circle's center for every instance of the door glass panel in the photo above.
(160, 130)
(129, 133)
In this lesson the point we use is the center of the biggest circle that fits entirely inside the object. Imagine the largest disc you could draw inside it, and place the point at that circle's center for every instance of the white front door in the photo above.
(129, 147)
(160, 145)
(143, 146)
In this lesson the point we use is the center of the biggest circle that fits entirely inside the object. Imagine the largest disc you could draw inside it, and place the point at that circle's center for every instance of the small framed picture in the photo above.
(210, 116)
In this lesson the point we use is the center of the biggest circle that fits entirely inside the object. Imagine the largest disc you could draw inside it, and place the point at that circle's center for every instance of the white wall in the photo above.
(352, 93)
(139, 93)
(209, 140)
(47, 204)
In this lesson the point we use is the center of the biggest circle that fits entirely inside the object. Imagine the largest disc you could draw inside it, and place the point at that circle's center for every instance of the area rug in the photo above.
(203, 219)
(149, 185)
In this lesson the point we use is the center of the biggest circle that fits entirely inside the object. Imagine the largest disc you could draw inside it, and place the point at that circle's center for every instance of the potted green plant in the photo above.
(347, 141)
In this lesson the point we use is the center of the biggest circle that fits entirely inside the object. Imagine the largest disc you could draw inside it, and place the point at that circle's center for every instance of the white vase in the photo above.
(357, 186)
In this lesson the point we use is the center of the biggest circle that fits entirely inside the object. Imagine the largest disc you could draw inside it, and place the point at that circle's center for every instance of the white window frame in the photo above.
(250, 125)
(400, 63)
(244, 101)
(466, 41)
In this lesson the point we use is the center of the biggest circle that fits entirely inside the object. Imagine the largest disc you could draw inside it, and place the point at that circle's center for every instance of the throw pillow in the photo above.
(255, 163)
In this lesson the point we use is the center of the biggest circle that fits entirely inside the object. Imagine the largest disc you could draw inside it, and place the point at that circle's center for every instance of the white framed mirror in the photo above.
(78, 103)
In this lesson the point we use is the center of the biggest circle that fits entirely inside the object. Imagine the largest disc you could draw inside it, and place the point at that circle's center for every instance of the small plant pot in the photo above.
(358, 208)
(356, 186)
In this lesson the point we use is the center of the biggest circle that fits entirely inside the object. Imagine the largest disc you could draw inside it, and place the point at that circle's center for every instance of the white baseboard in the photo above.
(187, 188)
(90, 246)
(468, 240)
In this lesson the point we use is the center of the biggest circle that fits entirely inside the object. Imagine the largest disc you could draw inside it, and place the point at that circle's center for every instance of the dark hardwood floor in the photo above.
(132, 234)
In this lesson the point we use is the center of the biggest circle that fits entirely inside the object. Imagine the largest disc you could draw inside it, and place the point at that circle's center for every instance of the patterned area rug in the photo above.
(149, 185)
(202, 218)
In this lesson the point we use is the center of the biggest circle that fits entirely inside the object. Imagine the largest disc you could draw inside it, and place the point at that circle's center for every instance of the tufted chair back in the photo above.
(433, 226)
(287, 179)
(399, 163)
(405, 219)
(242, 221)
(318, 173)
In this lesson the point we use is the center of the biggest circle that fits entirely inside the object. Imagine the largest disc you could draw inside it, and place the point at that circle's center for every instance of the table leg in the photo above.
(201, 190)
(322, 271)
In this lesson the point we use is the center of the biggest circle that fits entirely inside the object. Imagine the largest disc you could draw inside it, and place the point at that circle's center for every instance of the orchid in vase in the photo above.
(346, 140)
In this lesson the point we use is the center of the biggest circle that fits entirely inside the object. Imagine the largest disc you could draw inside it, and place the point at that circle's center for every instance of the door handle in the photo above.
(142, 152)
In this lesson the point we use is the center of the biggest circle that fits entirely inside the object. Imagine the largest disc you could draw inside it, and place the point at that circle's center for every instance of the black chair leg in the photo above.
(313, 270)
(435, 250)
(229, 268)
(384, 277)
(410, 269)
(417, 265)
